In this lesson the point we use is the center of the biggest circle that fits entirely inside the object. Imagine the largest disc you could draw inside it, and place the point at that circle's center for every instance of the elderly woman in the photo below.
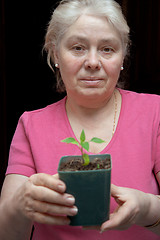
(87, 41)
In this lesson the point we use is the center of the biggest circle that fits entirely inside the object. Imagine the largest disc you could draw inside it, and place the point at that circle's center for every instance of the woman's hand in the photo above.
(133, 208)
(43, 199)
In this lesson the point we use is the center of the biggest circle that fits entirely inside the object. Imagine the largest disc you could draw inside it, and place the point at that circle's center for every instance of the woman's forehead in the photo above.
(88, 26)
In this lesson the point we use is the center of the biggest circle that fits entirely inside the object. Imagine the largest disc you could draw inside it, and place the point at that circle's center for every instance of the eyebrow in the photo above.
(76, 38)
(108, 40)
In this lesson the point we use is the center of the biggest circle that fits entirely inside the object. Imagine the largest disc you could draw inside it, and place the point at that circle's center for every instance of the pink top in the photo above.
(135, 150)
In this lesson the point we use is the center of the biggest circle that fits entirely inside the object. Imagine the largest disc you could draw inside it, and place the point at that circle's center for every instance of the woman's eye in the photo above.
(78, 48)
(107, 50)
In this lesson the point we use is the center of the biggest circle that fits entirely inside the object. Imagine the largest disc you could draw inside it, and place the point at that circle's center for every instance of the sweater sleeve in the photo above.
(20, 155)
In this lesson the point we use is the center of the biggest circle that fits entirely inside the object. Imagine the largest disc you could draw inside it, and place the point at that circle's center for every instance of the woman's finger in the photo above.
(51, 209)
(121, 219)
(48, 181)
(125, 214)
(48, 219)
(44, 194)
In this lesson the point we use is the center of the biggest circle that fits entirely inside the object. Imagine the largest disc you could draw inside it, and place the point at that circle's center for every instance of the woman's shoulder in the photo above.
(44, 114)
(140, 103)
(138, 98)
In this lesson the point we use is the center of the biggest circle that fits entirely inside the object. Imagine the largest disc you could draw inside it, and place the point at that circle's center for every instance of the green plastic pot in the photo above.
(91, 190)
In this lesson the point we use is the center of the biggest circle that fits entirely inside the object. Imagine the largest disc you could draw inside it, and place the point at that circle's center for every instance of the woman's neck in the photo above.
(96, 121)
(89, 114)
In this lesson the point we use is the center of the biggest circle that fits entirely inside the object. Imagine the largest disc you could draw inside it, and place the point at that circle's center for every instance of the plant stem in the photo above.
(81, 148)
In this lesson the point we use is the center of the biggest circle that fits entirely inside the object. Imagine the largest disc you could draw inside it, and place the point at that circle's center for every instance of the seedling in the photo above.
(83, 144)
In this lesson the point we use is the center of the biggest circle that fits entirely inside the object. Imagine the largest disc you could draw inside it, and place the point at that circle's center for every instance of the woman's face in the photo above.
(90, 56)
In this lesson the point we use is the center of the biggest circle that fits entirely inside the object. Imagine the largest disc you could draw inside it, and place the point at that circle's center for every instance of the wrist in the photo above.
(152, 218)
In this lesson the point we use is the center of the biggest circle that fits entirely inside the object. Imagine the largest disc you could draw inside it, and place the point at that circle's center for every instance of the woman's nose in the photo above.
(92, 61)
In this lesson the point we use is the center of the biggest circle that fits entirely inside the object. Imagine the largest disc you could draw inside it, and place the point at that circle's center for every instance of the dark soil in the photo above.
(77, 165)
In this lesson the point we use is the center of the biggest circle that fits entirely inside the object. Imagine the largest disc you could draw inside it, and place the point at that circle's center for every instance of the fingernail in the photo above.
(104, 230)
(70, 200)
(61, 187)
(74, 210)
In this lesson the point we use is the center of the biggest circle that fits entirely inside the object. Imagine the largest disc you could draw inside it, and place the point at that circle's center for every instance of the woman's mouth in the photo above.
(91, 81)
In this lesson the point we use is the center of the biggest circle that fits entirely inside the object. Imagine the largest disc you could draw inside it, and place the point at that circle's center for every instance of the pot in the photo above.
(91, 189)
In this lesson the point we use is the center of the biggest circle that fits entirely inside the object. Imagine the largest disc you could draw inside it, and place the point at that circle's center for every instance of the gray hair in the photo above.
(68, 11)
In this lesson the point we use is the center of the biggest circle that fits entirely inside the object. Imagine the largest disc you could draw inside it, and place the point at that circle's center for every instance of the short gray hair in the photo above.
(68, 11)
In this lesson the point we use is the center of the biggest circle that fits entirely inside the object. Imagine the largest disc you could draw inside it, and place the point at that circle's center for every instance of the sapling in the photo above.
(83, 144)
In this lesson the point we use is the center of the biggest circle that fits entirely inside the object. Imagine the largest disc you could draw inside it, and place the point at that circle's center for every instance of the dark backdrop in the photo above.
(26, 82)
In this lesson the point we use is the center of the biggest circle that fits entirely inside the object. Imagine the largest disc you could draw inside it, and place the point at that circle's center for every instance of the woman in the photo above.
(87, 40)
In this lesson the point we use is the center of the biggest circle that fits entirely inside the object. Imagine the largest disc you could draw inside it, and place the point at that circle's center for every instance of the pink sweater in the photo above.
(135, 150)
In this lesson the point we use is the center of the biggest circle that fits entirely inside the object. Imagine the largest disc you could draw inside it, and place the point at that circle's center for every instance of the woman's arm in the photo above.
(134, 207)
(13, 225)
(156, 229)
(40, 198)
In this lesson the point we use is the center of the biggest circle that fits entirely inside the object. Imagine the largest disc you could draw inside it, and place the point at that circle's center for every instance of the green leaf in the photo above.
(97, 140)
(85, 145)
(70, 140)
(82, 137)
(86, 159)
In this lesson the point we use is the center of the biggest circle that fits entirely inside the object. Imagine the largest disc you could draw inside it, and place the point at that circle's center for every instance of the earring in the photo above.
(122, 68)
(56, 65)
